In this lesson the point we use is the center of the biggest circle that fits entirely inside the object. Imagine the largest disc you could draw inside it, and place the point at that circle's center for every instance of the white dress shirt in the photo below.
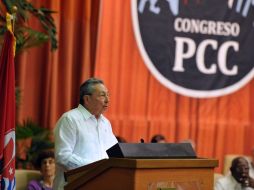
(229, 183)
(80, 139)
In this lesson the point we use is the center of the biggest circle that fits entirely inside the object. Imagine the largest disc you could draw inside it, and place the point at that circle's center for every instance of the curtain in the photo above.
(49, 81)
(141, 106)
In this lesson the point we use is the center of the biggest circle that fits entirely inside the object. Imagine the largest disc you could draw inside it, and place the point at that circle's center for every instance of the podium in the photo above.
(143, 174)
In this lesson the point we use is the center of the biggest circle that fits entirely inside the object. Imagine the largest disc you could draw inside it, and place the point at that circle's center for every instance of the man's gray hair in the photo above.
(87, 88)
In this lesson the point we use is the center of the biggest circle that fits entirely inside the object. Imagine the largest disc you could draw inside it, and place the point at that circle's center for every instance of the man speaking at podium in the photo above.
(83, 135)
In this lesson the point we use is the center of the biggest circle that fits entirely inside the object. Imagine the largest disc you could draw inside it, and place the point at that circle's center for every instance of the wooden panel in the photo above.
(147, 179)
(112, 179)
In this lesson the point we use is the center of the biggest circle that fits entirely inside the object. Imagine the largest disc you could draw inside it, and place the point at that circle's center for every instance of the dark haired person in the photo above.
(158, 139)
(83, 134)
(45, 162)
(238, 179)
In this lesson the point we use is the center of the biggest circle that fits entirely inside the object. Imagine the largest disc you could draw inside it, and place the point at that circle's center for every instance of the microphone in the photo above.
(142, 140)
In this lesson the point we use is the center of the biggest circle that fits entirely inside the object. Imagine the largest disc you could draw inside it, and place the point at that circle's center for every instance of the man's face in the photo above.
(98, 101)
(241, 171)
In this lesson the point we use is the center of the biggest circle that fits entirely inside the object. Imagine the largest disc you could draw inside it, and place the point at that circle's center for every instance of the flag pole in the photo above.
(13, 16)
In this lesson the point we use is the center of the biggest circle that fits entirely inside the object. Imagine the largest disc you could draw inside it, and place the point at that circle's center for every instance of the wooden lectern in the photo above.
(143, 174)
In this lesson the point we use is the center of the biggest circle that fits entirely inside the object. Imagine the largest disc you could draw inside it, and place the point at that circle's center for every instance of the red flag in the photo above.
(7, 113)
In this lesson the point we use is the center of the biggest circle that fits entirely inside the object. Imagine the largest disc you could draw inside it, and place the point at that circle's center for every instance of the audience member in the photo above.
(158, 139)
(83, 134)
(238, 179)
(45, 162)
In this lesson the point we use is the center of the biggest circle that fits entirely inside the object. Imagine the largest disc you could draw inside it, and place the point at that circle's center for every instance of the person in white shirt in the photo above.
(238, 178)
(83, 135)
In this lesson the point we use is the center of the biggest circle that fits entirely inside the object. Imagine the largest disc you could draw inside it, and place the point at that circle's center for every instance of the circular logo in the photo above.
(200, 48)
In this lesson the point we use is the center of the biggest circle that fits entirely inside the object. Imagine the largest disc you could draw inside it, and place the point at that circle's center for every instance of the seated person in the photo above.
(158, 139)
(238, 179)
(45, 162)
